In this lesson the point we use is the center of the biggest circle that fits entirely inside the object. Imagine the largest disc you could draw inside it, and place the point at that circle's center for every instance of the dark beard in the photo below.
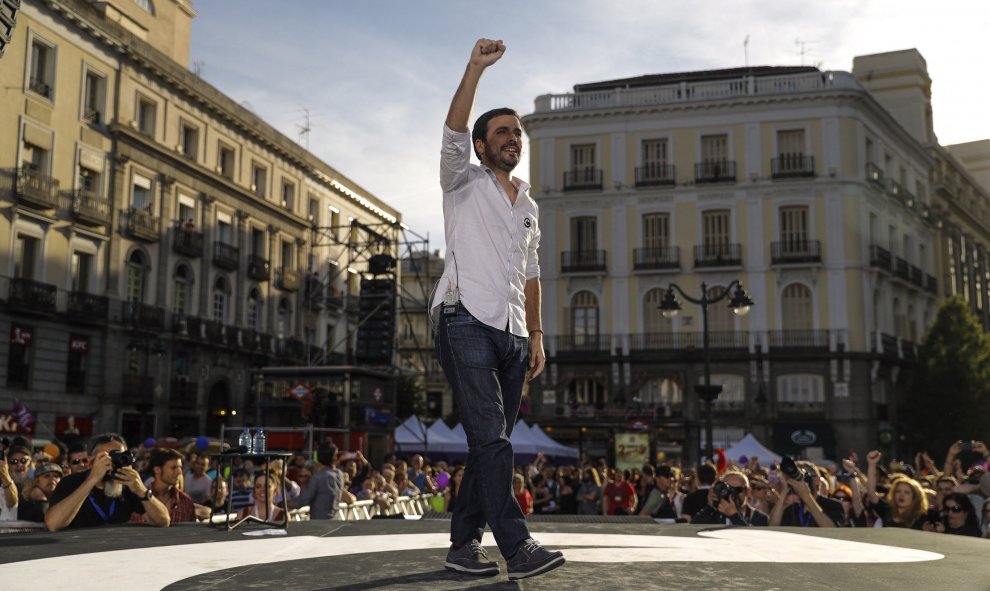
(495, 160)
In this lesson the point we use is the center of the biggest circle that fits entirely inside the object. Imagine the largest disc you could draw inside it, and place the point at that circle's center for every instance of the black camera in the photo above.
(965, 446)
(933, 516)
(118, 459)
(794, 472)
(722, 490)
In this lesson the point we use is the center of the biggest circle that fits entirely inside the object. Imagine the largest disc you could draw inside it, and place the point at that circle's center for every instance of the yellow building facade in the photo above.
(158, 241)
(796, 182)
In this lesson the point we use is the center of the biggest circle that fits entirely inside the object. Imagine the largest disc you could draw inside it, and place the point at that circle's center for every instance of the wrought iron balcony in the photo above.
(258, 268)
(143, 317)
(582, 261)
(583, 179)
(136, 389)
(141, 224)
(800, 408)
(289, 279)
(902, 269)
(661, 257)
(718, 255)
(583, 342)
(799, 339)
(183, 394)
(880, 258)
(88, 307)
(90, 208)
(188, 242)
(790, 252)
(715, 171)
(788, 166)
(32, 296)
(653, 175)
(660, 341)
(874, 175)
(31, 187)
(226, 256)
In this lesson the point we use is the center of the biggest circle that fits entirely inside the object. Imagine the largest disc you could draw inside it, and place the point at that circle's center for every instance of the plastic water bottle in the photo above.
(260, 442)
(244, 441)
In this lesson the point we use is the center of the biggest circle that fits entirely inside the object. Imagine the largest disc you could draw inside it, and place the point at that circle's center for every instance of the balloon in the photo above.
(53, 451)
(150, 442)
(202, 443)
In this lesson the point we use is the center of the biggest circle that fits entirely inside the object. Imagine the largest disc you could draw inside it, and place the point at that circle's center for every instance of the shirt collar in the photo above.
(521, 185)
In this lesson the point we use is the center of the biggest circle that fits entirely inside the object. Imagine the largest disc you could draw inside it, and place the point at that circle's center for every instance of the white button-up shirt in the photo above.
(491, 242)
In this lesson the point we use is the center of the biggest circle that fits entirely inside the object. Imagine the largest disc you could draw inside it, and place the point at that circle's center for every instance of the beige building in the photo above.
(159, 242)
(802, 185)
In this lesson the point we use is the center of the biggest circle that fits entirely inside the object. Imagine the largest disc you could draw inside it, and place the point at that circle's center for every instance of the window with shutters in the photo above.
(94, 97)
(26, 256)
(221, 297)
(715, 232)
(721, 319)
(226, 159)
(714, 148)
(583, 157)
(584, 319)
(583, 171)
(42, 69)
(661, 392)
(586, 392)
(584, 234)
(82, 271)
(136, 269)
(146, 116)
(794, 229)
(653, 321)
(259, 179)
(655, 167)
(801, 389)
(189, 136)
(181, 280)
(796, 308)
(254, 309)
(656, 231)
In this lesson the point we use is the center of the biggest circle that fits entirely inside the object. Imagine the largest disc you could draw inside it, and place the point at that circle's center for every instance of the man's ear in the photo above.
(479, 147)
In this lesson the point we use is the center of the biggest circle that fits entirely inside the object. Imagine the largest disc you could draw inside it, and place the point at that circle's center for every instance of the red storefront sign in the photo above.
(73, 425)
(9, 425)
(20, 335)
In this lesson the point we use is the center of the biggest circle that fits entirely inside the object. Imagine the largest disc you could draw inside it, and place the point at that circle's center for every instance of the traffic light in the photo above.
(376, 314)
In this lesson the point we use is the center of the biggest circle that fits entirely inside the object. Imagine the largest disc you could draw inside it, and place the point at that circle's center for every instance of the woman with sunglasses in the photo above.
(958, 517)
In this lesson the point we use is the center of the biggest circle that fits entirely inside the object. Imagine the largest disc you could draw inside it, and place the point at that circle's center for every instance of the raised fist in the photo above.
(873, 457)
(486, 52)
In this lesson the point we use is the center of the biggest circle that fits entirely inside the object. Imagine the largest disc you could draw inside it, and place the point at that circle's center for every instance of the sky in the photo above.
(376, 76)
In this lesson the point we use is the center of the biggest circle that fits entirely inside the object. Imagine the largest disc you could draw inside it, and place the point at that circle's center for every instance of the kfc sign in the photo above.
(78, 344)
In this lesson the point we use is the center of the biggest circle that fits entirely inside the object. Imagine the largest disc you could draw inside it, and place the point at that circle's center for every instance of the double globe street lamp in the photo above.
(740, 305)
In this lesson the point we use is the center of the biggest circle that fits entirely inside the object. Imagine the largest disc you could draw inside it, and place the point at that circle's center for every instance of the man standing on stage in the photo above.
(489, 333)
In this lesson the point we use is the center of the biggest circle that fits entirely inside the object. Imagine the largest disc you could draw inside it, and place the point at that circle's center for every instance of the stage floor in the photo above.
(406, 554)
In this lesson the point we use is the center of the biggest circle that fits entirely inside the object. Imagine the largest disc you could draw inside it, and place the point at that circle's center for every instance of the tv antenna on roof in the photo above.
(802, 45)
(746, 50)
(305, 128)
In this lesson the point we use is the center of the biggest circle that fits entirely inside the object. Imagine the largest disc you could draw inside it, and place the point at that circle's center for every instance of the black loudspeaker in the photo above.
(376, 312)
(8, 17)
(380, 264)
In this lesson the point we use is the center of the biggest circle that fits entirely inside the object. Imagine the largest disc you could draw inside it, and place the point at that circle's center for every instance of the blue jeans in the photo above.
(486, 368)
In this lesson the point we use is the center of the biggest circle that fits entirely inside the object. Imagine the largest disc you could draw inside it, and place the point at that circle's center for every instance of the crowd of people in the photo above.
(90, 486)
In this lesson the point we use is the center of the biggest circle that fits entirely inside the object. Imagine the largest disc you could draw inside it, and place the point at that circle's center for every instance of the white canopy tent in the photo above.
(749, 447)
(557, 449)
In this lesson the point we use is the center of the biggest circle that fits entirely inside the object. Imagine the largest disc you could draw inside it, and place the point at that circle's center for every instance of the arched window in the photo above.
(662, 393)
(254, 310)
(796, 308)
(221, 298)
(733, 394)
(720, 317)
(136, 270)
(182, 290)
(653, 321)
(584, 319)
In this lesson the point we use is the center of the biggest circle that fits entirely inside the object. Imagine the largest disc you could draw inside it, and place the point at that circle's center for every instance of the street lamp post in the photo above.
(740, 305)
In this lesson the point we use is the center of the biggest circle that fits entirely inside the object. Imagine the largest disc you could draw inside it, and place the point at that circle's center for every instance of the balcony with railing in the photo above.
(226, 256)
(32, 296)
(902, 269)
(795, 252)
(90, 209)
(583, 179)
(88, 307)
(715, 171)
(682, 92)
(582, 343)
(137, 389)
(582, 261)
(655, 175)
(216, 332)
(880, 258)
(188, 242)
(657, 258)
(258, 268)
(790, 166)
(718, 255)
(666, 341)
(874, 175)
(141, 224)
(183, 394)
(792, 408)
(30, 187)
(602, 413)
(799, 339)
(143, 317)
(288, 279)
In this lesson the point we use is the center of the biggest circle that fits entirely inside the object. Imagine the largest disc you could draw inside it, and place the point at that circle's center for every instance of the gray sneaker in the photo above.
(470, 558)
(532, 559)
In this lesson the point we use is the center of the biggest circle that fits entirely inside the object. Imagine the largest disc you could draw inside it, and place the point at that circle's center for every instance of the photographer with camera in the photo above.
(728, 503)
(109, 492)
(802, 503)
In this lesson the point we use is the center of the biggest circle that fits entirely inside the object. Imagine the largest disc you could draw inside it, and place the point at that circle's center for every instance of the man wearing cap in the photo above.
(33, 503)
(659, 503)
(91, 499)
(19, 462)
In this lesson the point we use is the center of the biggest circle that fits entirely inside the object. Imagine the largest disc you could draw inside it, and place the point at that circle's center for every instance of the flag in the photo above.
(22, 414)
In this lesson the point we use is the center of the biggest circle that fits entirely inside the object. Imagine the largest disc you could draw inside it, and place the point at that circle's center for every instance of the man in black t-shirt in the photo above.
(707, 475)
(87, 500)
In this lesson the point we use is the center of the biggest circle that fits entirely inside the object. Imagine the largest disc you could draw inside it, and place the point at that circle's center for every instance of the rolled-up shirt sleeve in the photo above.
(455, 156)
(533, 257)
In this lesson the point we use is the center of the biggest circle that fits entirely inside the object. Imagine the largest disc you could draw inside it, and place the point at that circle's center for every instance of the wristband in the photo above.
(535, 330)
